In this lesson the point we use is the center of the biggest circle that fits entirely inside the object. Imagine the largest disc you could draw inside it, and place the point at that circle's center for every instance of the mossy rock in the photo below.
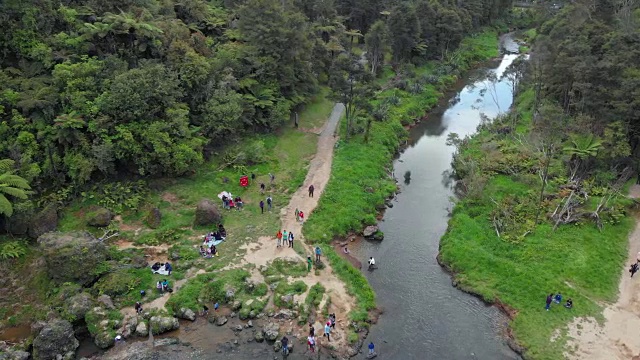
(100, 217)
(153, 218)
(117, 283)
(207, 213)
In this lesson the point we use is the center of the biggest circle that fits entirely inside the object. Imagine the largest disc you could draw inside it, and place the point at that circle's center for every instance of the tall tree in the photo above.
(404, 31)
(376, 41)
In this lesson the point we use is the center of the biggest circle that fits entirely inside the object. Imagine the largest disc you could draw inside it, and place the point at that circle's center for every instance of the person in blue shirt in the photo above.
(318, 253)
(558, 298)
(168, 267)
(216, 306)
(371, 346)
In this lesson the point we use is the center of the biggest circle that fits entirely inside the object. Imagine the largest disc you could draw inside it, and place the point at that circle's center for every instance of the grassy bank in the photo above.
(527, 262)
(360, 180)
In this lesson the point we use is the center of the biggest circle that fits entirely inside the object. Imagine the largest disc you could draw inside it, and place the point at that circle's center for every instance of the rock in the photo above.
(378, 235)
(207, 213)
(162, 324)
(233, 314)
(250, 323)
(100, 217)
(69, 255)
(105, 300)
(104, 339)
(221, 320)
(247, 304)
(187, 314)
(141, 329)
(372, 355)
(166, 341)
(154, 218)
(277, 346)
(287, 299)
(175, 256)
(134, 351)
(389, 204)
(369, 230)
(243, 314)
(11, 354)
(259, 336)
(252, 314)
(238, 328)
(55, 339)
(284, 314)
(271, 331)
(230, 295)
(78, 305)
(43, 222)
(236, 305)
(37, 326)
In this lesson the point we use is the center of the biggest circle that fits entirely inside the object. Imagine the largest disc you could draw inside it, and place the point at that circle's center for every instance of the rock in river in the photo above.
(55, 340)
(187, 314)
(271, 331)
(369, 231)
(162, 324)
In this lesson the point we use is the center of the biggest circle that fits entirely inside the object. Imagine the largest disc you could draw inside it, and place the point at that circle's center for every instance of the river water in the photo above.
(425, 317)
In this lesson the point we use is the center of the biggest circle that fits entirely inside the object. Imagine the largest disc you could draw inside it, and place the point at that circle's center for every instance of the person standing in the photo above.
(290, 239)
(168, 267)
(318, 253)
(332, 318)
(311, 188)
(309, 263)
(285, 236)
(279, 237)
(269, 202)
(262, 187)
(216, 306)
(312, 343)
(633, 269)
(261, 207)
(297, 214)
(327, 330)
(301, 216)
(549, 300)
(272, 178)
(371, 347)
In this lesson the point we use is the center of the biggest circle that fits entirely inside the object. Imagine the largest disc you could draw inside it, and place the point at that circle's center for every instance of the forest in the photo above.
(95, 91)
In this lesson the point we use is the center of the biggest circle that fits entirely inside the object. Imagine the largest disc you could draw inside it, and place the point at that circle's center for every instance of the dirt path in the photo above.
(265, 249)
(618, 337)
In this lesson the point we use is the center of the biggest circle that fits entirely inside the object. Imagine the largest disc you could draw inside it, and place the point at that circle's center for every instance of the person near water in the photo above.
(168, 267)
(558, 298)
(371, 347)
(279, 237)
(216, 306)
(309, 263)
(633, 269)
(569, 303)
(372, 263)
(549, 300)
(269, 202)
(318, 253)
(327, 330)
(311, 340)
(138, 307)
(290, 239)
(261, 207)
(297, 214)
(262, 187)
(301, 216)
(205, 310)
(311, 188)
(285, 345)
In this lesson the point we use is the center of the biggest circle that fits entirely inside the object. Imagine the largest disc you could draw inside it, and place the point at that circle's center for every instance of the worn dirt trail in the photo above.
(618, 337)
(264, 250)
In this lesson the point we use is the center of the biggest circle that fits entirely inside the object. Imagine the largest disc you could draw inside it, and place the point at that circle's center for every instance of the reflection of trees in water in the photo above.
(448, 178)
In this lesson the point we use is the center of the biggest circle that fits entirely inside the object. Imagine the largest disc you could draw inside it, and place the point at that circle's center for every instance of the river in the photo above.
(425, 317)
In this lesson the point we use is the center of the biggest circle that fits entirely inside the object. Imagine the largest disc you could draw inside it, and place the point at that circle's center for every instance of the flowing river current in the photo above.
(424, 316)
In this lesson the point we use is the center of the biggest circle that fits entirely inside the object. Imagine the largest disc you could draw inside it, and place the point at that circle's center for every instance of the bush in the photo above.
(12, 249)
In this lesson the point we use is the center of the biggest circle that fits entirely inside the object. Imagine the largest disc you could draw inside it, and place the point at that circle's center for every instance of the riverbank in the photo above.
(495, 250)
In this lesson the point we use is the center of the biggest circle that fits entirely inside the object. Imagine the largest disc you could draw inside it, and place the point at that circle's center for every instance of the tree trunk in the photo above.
(545, 173)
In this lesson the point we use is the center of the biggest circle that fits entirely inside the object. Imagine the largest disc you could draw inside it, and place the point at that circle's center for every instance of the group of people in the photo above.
(219, 234)
(329, 325)
(228, 202)
(269, 204)
(284, 237)
(158, 266)
(557, 298)
(163, 286)
(209, 251)
(299, 215)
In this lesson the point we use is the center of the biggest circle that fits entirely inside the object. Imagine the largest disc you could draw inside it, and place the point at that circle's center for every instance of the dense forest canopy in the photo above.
(94, 89)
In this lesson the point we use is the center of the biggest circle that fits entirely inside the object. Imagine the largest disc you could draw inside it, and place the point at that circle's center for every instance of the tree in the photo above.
(582, 147)
(10, 185)
(376, 41)
(404, 31)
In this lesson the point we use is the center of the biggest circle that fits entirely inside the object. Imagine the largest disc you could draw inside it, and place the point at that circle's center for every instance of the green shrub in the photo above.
(13, 249)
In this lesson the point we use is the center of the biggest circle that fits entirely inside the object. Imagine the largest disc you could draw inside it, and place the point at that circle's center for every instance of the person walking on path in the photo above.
(262, 187)
(309, 263)
(297, 214)
(633, 269)
(269, 202)
(301, 216)
(272, 178)
(327, 330)
(279, 237)
(311, 188)
(332, 318)
(312, 343)
(371, 347)
(285, 236)
(318, 253)
(291, 239)
(261, 207)
(549, 300)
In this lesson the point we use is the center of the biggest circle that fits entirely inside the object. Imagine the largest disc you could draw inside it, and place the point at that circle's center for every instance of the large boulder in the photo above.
(104, 339)
(162, 324)
(369, 231)
(207, 213)
(43, 222)
(100, 217)
(79, 304)
(271, 331)
(221, 320)
(187, 314)
(70, 256)
(55, 340)
(142, 329)
(154, 218)
(11, 354)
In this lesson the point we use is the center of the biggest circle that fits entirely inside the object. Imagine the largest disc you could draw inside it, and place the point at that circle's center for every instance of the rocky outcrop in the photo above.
(78, 305)
(271, 331)
(68, 256)
(221, 320)
(100, 217)
(259, 336)
(135, 351)
(369, 231)
(187, 314)
(230, 295)
(286, 299)
(142, 329)
(55, 341)
(154, 218)
(162, 324)
(207, 213)
(43, 222)
(105, 300)
(285, 314)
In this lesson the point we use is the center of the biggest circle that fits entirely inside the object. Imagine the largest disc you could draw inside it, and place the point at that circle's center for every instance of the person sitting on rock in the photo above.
(138, 307)
(372, 263)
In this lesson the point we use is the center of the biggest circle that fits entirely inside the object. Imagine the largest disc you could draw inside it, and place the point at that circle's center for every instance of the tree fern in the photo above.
(12, 250)
(11, 185)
